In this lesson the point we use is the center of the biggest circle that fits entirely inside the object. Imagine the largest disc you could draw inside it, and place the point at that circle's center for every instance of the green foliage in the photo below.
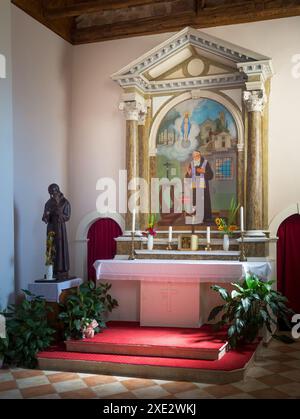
(83, 305)
(233, 210)
(248, 308)
(27, 331)
(3, 347)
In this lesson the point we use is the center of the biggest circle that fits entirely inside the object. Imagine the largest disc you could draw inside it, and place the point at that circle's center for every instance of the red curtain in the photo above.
(288, 260)
(101, 244)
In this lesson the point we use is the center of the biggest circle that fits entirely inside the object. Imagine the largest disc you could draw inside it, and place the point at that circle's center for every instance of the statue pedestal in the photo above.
(55, 293)
(51, 290)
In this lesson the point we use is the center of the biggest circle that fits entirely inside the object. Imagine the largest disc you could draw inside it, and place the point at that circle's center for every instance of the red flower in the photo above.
(150, 231)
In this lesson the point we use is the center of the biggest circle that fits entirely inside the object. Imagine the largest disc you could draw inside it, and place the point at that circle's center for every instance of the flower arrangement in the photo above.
(50, 248)
(228, 226)
(150, 231)
(89, 330)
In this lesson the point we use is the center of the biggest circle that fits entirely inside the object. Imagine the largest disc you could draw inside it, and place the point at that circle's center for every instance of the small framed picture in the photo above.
(184, 242)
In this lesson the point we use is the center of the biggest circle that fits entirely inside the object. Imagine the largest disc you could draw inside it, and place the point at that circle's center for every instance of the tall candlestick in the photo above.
(208, 235)
(242, 219)
(170, 234)
(133, 221)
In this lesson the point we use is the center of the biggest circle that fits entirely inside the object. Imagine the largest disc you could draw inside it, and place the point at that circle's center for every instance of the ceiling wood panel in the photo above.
(86, 21)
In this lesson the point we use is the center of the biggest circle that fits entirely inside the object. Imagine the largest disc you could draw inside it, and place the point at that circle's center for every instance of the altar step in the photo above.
(129, 338)
(231, 368)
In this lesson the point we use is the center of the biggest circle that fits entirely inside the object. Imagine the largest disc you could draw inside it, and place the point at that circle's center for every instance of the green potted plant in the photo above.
(85, 309)
(27, 331)
(250, 306)
(3, 349)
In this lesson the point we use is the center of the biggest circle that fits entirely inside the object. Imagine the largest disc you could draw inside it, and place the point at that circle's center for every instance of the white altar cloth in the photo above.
(178, 289)
(180, 270)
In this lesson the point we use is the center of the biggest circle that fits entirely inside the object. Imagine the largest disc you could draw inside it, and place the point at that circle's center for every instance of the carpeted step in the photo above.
(129, 338)
(232, 367)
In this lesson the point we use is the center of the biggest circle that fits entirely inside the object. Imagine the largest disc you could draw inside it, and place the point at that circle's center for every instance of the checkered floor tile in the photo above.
(275, 374)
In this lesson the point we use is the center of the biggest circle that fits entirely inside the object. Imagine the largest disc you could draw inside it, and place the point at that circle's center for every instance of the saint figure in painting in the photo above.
(186, 129)
(200, 172)
(57, 212)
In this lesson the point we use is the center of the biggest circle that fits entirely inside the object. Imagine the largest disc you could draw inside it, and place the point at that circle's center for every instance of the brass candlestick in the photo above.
(208, 247)
(169, 247)
(132, 256)
(243, 257)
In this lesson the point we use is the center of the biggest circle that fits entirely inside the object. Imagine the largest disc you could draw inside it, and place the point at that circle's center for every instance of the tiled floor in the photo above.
(275, 374)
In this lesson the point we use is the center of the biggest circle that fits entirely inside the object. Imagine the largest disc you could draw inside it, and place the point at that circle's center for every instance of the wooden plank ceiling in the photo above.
(85, 21)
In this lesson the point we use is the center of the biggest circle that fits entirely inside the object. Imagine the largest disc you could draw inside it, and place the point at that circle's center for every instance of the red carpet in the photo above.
(132, 333)
(128, 338)
(231, 361)
(126, 333)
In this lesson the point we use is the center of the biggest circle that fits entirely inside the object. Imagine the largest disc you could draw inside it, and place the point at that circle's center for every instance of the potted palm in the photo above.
(252, 305)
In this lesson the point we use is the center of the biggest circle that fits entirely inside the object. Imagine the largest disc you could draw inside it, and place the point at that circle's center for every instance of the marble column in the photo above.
(255, 101)
(132, 112)
(143, 136)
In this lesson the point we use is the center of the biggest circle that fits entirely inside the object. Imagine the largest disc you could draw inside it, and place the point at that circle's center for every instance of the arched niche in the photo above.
(82, 240)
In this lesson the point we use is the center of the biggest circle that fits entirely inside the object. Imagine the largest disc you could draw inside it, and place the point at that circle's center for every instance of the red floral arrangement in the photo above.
(150, 231)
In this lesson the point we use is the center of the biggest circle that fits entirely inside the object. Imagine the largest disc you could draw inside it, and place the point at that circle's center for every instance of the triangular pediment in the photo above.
(192, 58)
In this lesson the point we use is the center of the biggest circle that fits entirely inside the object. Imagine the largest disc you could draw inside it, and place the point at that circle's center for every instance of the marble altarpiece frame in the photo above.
(192, 66)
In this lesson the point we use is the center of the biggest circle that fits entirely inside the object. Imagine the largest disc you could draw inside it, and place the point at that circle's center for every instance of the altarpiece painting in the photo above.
(199, 133)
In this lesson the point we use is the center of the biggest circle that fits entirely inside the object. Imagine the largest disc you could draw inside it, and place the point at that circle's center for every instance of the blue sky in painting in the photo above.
(210, 109)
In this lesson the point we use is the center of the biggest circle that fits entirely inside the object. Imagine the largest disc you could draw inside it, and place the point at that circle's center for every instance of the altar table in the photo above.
(172, 292)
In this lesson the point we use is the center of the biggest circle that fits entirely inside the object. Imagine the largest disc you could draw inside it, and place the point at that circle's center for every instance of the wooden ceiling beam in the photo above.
(35, 8)
(237, 12)
(97, 6)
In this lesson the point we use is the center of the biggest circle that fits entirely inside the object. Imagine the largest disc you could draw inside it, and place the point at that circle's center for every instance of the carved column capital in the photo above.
(255, 100)
(134, 111)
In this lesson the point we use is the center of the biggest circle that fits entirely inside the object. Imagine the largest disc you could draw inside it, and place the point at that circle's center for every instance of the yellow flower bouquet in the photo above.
(50, 249)
(228, 226)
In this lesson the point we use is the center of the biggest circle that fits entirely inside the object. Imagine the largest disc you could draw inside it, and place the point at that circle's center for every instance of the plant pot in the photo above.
(49, 273)
(150, 243)
(226, 242)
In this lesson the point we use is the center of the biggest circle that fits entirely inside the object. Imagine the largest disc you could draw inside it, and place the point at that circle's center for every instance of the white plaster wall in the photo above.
(41, 105)
(98, 127)
(6, 163)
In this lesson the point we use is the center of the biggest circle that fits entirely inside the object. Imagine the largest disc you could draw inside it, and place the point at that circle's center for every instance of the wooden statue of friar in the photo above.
(57, 212)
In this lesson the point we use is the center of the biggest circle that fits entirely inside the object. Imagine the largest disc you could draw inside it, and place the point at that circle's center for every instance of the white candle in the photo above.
(170, 234)
(242, 218)
(208, 235)
(133, 221)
